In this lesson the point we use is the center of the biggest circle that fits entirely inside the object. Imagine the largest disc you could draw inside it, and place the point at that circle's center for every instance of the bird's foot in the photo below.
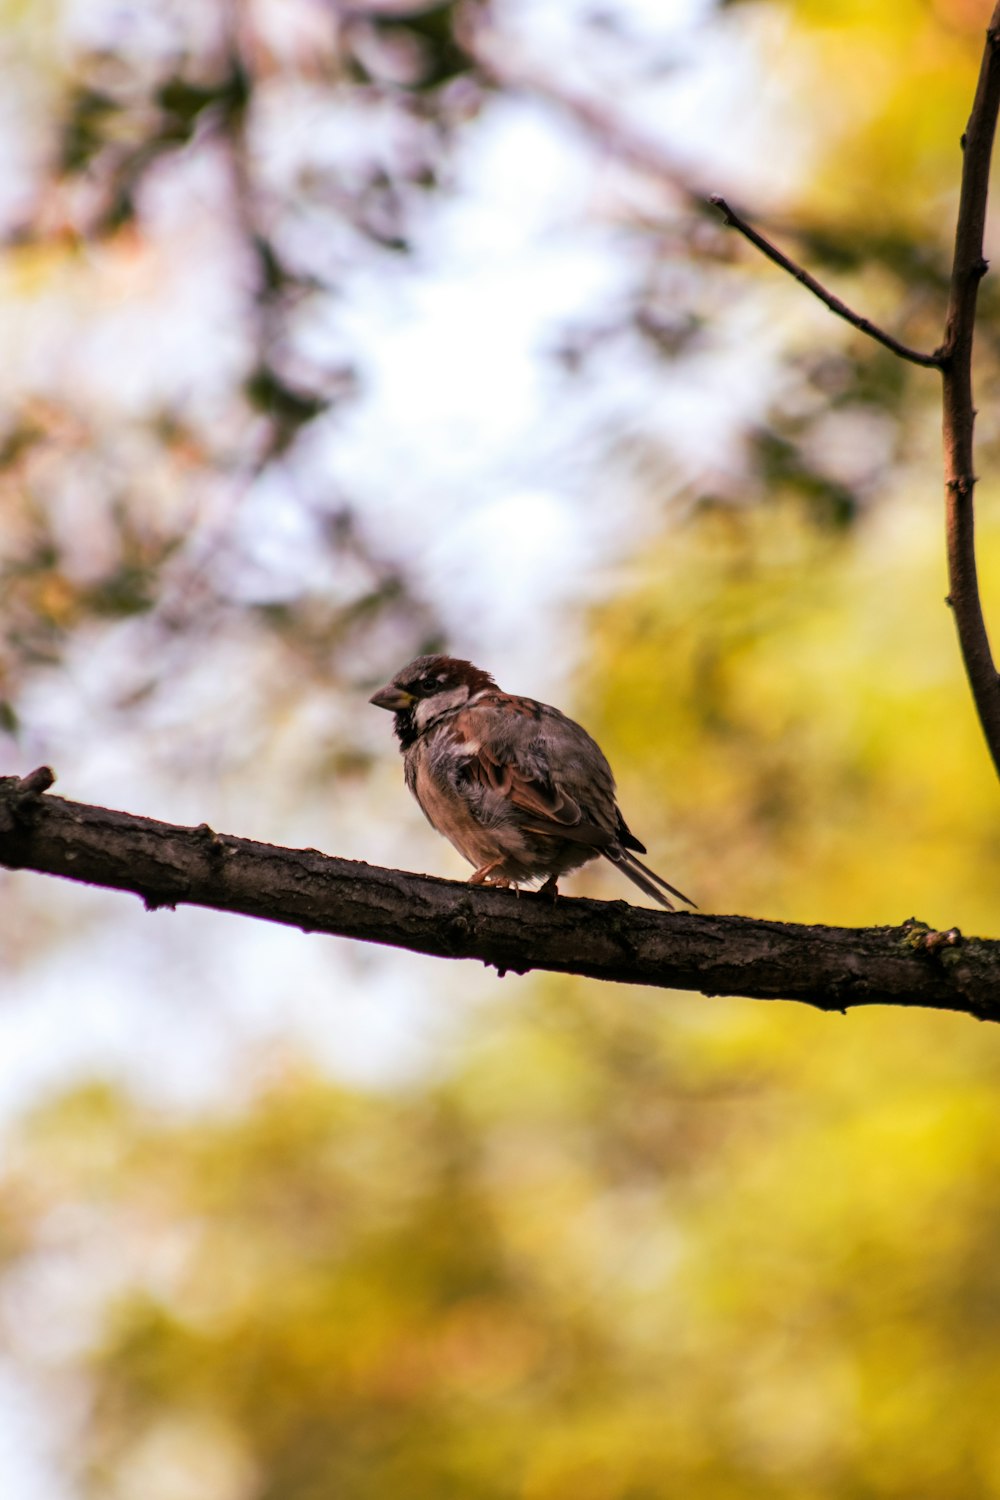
(483, 874)
(550, 888)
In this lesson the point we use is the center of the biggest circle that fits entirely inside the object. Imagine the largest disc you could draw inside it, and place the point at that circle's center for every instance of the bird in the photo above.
(521, 790)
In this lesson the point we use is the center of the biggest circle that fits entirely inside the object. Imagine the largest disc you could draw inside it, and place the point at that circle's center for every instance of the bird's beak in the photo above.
(392, 697)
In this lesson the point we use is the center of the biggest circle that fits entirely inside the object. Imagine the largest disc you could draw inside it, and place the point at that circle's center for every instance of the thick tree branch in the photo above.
(968, 269)
(865, 325)
(832, 968)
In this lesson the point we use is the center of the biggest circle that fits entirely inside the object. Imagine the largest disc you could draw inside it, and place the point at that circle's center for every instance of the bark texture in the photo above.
(832, 968)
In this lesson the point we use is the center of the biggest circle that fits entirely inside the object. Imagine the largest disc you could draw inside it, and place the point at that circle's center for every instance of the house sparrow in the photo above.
(520, 790)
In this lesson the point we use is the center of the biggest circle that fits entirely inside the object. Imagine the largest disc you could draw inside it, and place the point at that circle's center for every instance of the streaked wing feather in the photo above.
(573, 833)
(527, 792)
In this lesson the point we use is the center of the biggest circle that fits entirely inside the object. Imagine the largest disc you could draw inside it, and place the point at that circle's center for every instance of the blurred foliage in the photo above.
(813, 720)
(627, 1248)
(258, 158)
(185, 101)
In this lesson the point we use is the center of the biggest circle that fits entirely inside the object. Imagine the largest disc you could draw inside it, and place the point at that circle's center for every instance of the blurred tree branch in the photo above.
(864, 325)
(832, 968)
(954, 359)
(164, 470)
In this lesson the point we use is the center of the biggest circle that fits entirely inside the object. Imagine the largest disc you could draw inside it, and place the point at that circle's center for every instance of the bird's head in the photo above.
(425, 689)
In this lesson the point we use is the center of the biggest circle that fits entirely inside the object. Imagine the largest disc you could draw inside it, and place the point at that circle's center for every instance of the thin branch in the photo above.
(864, 325)
(954, 359)
(831, 968)
(613, 133)
(968, 269)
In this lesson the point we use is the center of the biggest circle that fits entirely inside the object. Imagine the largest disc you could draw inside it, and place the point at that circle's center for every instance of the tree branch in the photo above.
(954, 360)
(865, 325)
(831, 968)
(968, 269)
(613, 134)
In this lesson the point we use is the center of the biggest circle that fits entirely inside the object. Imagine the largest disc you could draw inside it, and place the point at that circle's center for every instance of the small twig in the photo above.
(864, 325)
(968, 270)
(613, 133)
(35, 783)
(932, 942)
(21, 793)
(954, 360)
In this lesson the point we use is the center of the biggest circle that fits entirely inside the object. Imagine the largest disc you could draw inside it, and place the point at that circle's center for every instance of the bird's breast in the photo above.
(433, 780)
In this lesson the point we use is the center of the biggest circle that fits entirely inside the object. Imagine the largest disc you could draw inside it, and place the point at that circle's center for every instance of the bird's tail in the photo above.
(646, 879)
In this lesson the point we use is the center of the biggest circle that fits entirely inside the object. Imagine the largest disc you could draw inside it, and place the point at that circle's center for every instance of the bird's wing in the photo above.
(543, 764)
(548, 768)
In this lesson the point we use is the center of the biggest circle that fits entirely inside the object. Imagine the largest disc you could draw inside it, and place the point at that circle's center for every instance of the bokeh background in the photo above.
(333, 333)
